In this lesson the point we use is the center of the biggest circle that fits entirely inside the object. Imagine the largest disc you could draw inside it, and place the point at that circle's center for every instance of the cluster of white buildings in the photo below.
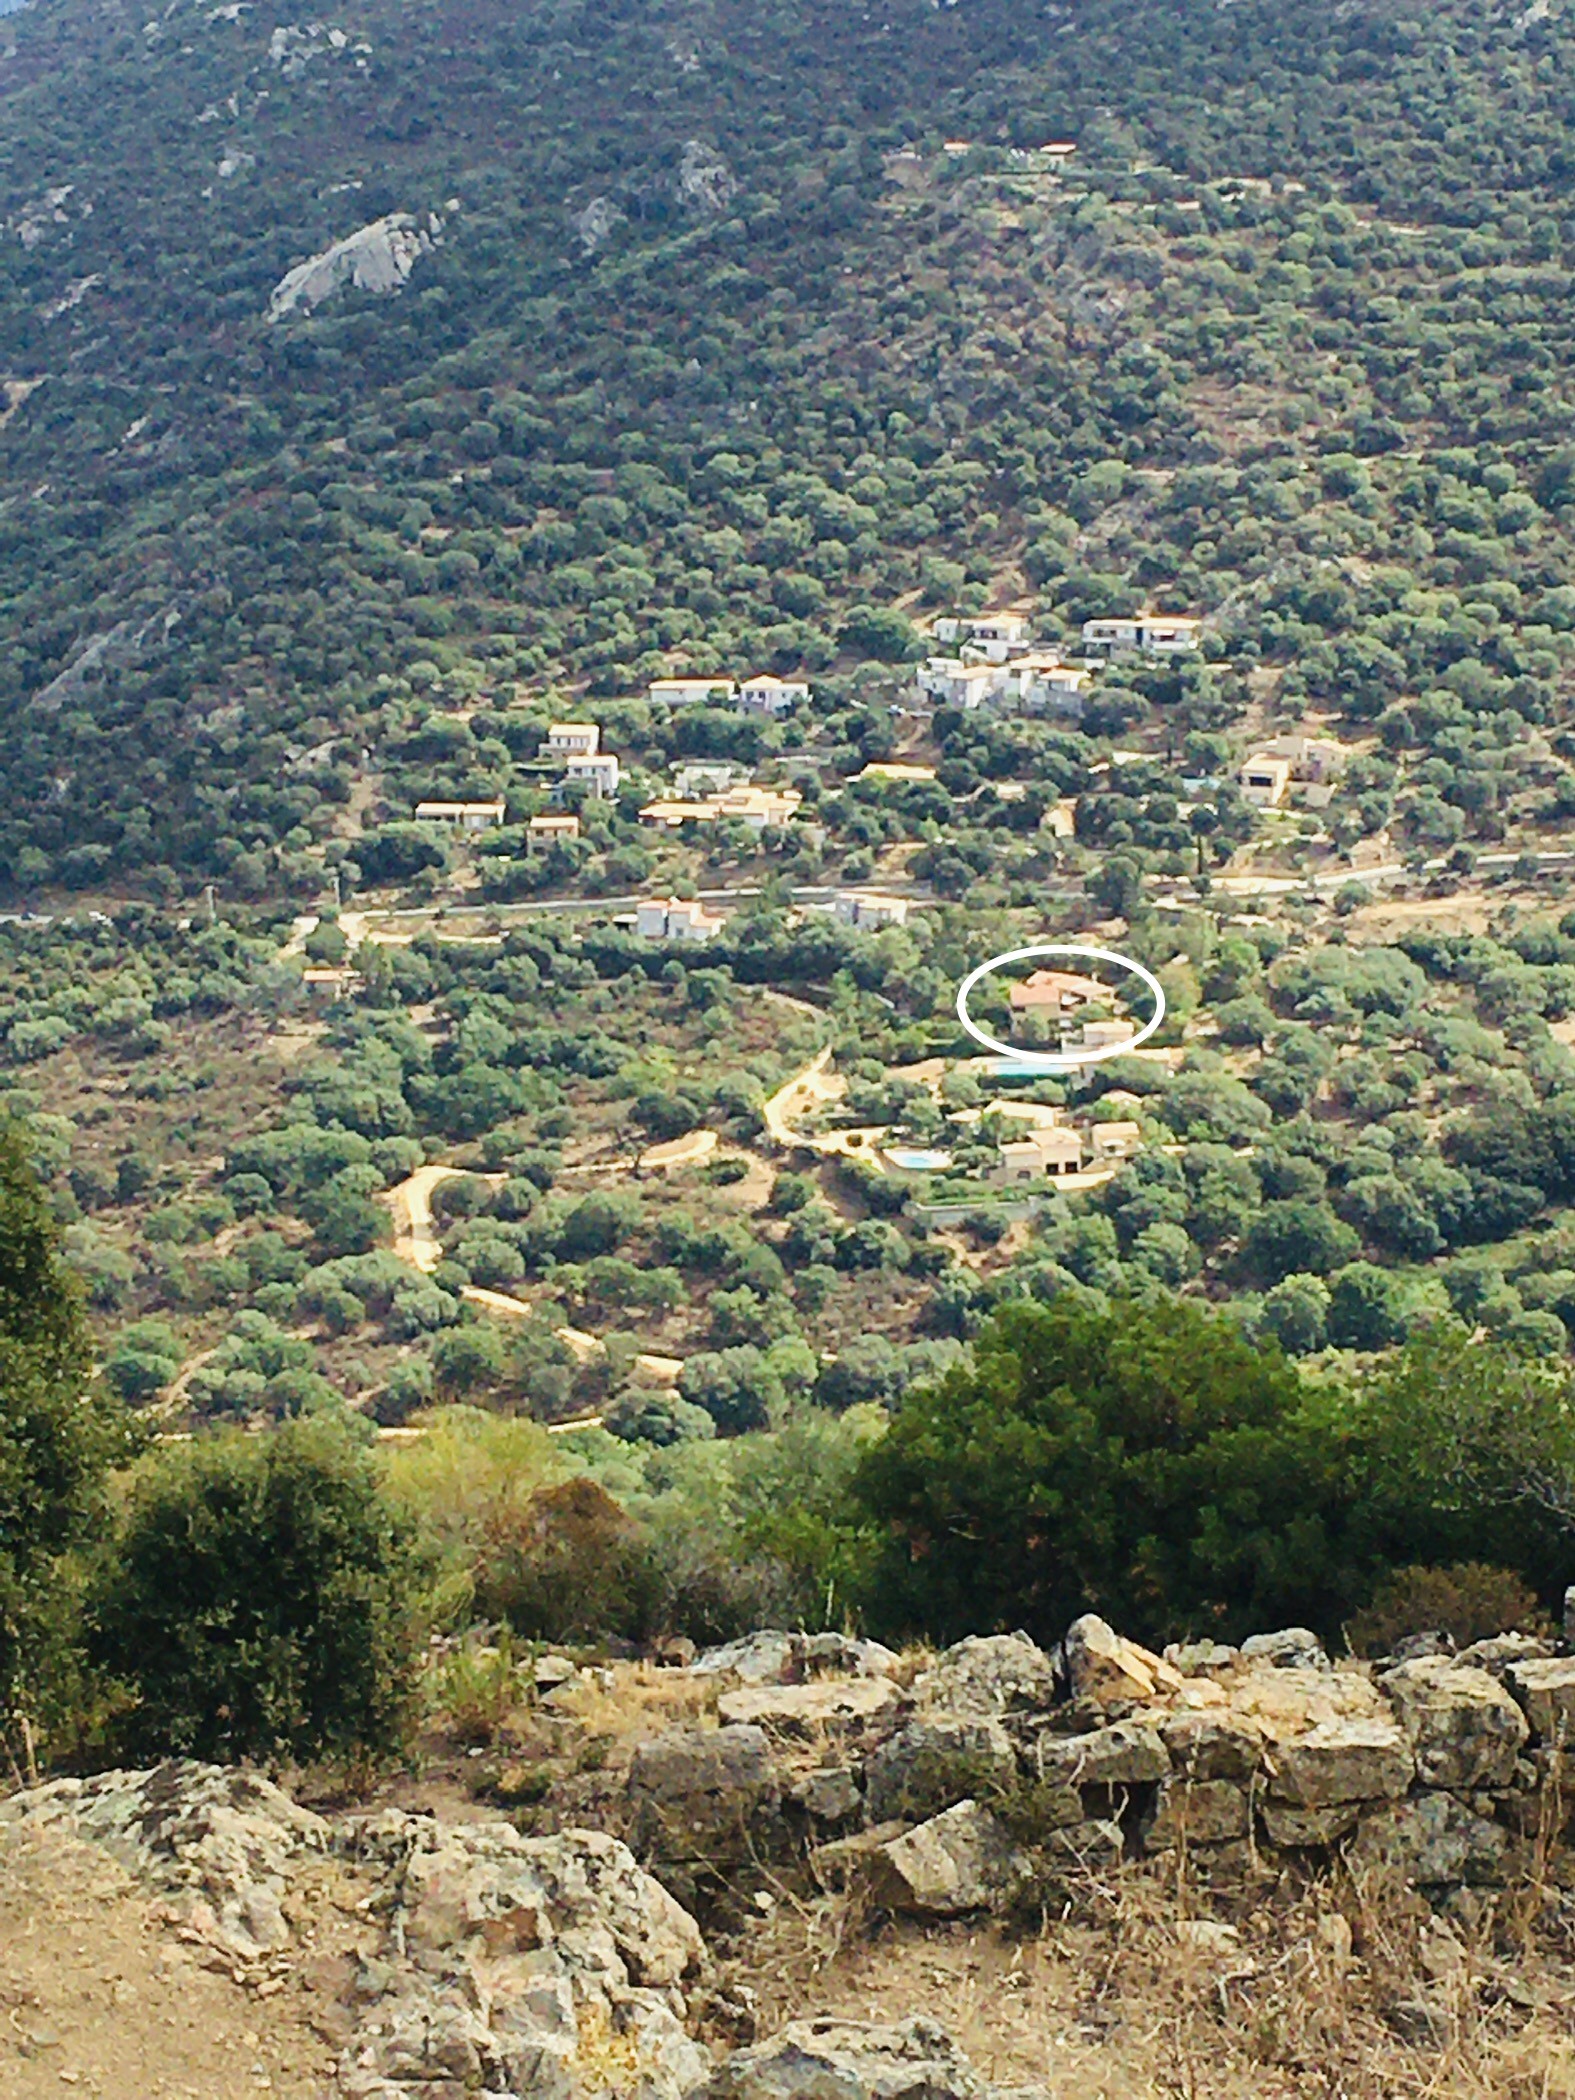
(1311, 763)
(576, 749)
(994, 661)
(1052, 1150)
(760, 695)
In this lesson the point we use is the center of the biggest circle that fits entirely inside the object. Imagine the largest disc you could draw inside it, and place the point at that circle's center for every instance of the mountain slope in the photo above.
(710, 353)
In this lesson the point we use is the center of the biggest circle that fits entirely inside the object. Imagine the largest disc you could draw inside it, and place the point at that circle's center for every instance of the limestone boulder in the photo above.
(938, 1759)
(1465, 1729)
(1086, 1847)
(1197, 1812)
(1544, 1688)
(1292, 1648)
(702, 1794)
(792, 1658)
(962, 1860)
(520, 1964)
(1111, 1672)
(995, 1673)
(846, 2060)
(1342, 1760)
(1127, 1753)
(1294, 1828)
(219, 1845)
(836, 1703)
(1213, 1743)
(1434, 1838)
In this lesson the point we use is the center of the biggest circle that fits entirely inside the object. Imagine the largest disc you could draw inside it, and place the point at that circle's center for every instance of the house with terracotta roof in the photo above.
(1056, 991)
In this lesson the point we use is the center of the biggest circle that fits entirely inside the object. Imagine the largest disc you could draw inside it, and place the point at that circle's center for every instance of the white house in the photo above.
(765, 695)
(462, 816)
(995, 636)
(1264, 780)
(545, 829)
(869, 908)
(1151, 633)
(1314, 759)
(571, 740)
(757, 807)
(1113, 1141)
(952, 683)
(1097, 1035)
(599, 772)
(1045, 1153)
(1045, 683)
(675, 919)
(693, 691)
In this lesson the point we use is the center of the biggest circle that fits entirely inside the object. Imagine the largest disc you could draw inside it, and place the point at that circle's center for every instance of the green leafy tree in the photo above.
(59, 1437)
(261, 1600)
(1146, 1462)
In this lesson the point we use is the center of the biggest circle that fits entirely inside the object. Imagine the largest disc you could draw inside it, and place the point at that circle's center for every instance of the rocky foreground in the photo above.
(1000, 1778)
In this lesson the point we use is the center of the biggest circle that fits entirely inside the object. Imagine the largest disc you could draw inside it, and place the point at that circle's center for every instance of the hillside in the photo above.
(709, 351)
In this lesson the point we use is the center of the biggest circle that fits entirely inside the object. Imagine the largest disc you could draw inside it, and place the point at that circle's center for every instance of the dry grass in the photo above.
(641, 1701)
(1341, 1988)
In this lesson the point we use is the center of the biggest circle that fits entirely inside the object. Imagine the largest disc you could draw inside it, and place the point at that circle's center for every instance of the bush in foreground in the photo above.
(261, 1600)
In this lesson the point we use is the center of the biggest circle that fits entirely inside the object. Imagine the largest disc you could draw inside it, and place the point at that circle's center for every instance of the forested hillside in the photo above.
(710, 352)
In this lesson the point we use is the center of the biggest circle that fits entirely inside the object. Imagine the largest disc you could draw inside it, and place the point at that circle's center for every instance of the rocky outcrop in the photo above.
(794, 1658)
(218, 1844)
(702, 1795)
(377, 258)
(957, 1862)
(846, 2060)
(988, 1674)
(705, 182)
(1464, 1727)
(543, 1965)
(935, 1760)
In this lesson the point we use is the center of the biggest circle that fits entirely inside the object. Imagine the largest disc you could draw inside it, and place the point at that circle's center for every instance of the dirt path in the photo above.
(415, 1241)
(98, 1997)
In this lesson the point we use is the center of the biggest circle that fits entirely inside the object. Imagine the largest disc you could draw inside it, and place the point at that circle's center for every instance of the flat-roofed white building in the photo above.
(869, 908)
(693, 691)
(1044, 1154)
(599, 773)
(995, 636)
(544, 829)
(1044, 684)
(675, 919)
(765, 695)
(1264, 780)
(571, 740)
(1147, 633)
(462, 816)
(952, 683)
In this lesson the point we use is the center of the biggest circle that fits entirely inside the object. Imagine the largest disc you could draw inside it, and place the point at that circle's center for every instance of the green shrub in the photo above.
(261, 1599)
(1469, 1601)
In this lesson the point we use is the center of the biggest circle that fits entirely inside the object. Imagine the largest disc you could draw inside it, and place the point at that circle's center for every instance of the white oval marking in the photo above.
(1066, 1060)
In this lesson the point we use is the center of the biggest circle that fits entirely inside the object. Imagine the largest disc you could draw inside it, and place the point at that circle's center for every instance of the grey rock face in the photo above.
(1111, 1671)
(957, 1862)
(1545, 1689)
(523, 1965)
(1342, 1760)
(698, 1794)
(845, 2060)
(992, 1673)
(1466, 1729)
(1125, 1754)
(1434, 1838)
(793, 1658)
(805, 1709)
(1292, 1648)
(1198, 1812)
(376, 258)
(219, 1843)
(936, 1760)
